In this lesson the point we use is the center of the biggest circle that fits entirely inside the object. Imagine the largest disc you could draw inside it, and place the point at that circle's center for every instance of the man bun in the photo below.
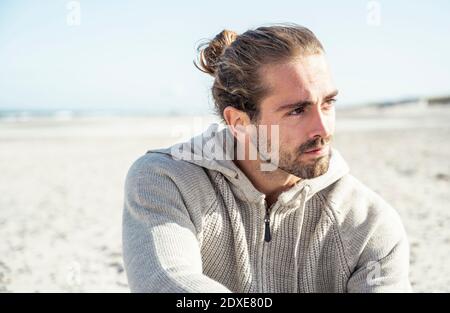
(210, 51)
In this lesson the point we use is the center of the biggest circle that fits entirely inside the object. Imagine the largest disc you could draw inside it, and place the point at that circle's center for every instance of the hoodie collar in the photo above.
(214, 150)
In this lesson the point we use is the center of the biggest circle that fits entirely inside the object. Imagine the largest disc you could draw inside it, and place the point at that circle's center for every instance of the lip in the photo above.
(318, 151)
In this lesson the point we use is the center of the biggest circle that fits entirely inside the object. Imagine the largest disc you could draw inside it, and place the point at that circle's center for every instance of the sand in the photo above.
(61, 191)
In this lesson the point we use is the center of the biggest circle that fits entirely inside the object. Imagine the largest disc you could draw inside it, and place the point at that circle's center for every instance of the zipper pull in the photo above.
(267, 236)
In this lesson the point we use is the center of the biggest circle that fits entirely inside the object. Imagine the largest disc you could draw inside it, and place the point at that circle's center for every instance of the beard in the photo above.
(291, 162)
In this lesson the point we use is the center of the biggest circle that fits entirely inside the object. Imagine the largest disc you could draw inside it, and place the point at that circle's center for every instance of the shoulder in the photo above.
(353, 202)
(159, 166)
(365, 221)
(161, 173)
(162, 164)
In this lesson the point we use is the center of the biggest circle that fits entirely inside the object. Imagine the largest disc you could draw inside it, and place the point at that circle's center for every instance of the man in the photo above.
(206, 216)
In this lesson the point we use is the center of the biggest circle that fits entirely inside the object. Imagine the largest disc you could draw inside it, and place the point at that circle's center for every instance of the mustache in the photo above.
(316, 143)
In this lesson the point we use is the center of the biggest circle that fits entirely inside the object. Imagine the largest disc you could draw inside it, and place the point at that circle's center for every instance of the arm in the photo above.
(160, 247)
(387, 274)
(383, 265)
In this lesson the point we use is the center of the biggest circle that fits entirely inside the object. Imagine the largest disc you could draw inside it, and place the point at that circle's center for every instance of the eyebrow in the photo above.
(305, 103)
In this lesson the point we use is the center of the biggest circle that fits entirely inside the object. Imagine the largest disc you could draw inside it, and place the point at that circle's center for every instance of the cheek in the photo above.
(291, 138)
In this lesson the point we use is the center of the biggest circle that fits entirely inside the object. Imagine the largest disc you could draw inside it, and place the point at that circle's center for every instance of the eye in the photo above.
(297, 111)
(330, 103)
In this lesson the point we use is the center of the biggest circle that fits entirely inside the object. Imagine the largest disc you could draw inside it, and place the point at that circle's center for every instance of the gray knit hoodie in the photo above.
(199, 225)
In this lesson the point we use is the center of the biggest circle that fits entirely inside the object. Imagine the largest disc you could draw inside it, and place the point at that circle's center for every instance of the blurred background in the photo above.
(86, 87)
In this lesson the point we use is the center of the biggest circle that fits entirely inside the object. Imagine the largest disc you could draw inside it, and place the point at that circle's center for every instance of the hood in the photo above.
(214, 150)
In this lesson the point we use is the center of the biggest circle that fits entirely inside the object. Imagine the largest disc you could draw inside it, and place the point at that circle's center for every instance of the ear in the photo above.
(237, 121)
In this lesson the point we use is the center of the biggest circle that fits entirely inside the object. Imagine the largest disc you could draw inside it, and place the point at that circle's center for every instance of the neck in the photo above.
(271, 183)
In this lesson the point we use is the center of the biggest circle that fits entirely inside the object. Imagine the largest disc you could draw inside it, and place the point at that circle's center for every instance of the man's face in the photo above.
(301, 101)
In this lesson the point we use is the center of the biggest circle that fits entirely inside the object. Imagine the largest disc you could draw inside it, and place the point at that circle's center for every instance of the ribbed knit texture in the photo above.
(198, 226)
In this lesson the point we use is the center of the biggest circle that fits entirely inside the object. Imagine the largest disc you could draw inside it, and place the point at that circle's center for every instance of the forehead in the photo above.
(305, 78)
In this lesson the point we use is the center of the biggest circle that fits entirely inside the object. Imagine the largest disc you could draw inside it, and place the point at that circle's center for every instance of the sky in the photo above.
(138, 55)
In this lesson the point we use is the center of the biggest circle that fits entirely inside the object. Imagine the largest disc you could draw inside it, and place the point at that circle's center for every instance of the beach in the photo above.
(61, 190)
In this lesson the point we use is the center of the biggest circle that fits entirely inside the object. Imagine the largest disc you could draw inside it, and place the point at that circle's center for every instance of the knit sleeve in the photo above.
(383, 264)
(160, 248)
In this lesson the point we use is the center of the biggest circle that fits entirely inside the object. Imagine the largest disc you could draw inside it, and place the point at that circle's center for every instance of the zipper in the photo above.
(267, 232)
(267, 236)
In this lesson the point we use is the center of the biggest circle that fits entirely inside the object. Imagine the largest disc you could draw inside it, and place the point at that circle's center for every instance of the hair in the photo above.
(236, 62)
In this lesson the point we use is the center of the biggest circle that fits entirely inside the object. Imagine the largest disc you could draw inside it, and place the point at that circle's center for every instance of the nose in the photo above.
(320, 124)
